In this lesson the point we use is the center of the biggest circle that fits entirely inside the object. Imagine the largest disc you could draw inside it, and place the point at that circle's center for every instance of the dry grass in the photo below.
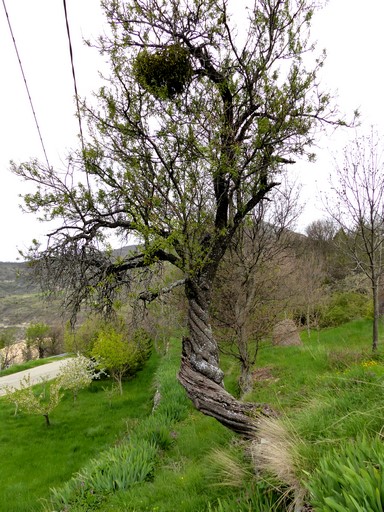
(275, 452)
(230, 471)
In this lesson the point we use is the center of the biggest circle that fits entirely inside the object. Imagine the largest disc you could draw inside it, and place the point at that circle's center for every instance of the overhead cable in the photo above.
(25, 82)
(74, 76)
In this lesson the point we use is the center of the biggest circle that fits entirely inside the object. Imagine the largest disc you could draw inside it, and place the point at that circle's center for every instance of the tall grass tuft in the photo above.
(276, 453)
(115, 469)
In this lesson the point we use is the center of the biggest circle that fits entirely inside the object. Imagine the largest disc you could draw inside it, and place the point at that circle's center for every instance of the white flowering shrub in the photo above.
(77, 373)
(28, 400)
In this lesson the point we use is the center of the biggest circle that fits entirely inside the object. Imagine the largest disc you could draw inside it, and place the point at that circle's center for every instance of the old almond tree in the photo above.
(192, 129)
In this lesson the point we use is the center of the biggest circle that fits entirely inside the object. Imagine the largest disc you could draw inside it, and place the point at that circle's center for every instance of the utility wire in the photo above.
(74, 76)
(25, 82)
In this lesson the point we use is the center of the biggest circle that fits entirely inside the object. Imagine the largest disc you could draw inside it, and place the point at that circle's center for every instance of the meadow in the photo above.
(112, 453)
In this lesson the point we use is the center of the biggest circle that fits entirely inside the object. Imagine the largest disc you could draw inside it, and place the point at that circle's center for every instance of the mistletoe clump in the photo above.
(164, 73)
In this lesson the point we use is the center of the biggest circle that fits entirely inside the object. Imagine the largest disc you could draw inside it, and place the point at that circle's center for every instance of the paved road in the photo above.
(48, 371)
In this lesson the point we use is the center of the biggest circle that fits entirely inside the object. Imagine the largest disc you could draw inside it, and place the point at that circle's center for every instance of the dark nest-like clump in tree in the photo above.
(164, 73)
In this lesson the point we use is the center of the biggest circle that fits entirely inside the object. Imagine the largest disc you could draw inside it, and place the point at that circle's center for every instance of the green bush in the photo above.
(350, 478)
(144, 343)
(344, 307)
(82, 339)
(122, 355)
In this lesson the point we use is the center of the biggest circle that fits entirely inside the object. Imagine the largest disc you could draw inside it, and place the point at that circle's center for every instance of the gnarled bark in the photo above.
(200, 373)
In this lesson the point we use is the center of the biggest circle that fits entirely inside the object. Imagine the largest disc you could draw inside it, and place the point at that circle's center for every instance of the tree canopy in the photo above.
(193, 128)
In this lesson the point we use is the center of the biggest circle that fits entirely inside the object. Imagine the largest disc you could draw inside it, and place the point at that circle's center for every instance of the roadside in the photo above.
(46, 371)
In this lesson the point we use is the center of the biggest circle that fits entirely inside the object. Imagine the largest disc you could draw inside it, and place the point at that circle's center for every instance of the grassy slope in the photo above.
(327, 390)
(35, 458)
(185, 479)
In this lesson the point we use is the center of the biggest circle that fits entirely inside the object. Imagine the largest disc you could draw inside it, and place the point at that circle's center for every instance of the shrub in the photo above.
(143, 341)
(78, 373)
(350, 478)
(344, 307)
(82, 339)
(123, 357)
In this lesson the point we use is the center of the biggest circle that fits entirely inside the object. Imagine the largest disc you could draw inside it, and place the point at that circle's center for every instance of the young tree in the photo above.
(358, 184)
(7, 355)
(193, 127)
(249, 295)
(26, 399)
(37, 335)
(119, 355)
(78, 373)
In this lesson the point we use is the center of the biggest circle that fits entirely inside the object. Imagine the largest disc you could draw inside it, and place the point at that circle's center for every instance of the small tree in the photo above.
(358, 184)
(250, 295)
(37, 335)
(78, 373)
(26, 399)
(119, 355)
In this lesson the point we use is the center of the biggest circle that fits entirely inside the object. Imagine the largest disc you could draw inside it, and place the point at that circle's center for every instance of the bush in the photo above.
(143, 342)
(350, 478)
(344, 307)
(121, 355)
(82, 339)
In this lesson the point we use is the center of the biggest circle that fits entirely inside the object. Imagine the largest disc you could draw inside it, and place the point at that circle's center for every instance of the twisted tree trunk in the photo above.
(200, 373)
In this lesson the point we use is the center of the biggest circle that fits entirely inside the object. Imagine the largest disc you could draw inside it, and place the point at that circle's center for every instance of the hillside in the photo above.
(324, 447)
(14, 280)
(20, 300)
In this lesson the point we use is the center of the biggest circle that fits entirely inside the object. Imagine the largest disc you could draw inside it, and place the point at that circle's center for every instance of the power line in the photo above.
(25, 82)
(74, 76)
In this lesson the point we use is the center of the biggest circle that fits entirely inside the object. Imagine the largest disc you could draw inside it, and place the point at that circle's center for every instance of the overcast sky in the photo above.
(351, 32)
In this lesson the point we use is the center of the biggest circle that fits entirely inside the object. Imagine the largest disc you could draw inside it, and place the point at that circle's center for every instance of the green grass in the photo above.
(328, 391)
(294, 371)
(36, 458)
(184, 477)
